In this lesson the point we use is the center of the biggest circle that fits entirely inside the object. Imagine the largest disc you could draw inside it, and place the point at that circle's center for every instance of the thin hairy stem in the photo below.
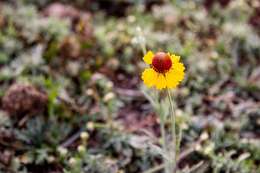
(164, 143)
(173, 153)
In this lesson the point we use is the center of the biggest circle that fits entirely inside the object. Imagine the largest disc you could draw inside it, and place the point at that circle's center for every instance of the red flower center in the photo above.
(161, 62)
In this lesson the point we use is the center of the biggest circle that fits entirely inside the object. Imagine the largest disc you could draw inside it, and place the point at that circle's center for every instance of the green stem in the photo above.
(164, 143)
(173, 153)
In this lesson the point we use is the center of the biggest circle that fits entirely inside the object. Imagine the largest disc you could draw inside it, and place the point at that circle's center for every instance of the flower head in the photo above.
(165, 71)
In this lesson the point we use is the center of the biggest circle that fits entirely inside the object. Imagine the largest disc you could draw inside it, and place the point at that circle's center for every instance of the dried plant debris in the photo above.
(22, 99)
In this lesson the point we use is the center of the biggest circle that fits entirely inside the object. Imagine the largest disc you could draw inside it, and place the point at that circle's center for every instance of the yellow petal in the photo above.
(178, 67)
(148, 57)
(172, 79)
(175, 58)
(174, 76)
(149, 77)
(160, 82)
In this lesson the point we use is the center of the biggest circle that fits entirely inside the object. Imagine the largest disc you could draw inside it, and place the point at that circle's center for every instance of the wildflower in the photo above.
(72, 161)
(90, 92)
(63, 151)
(50, 159)
(109, 96)
(209, 149)
(204, 136)
(131, 19)
(109, 84)
(90, 126)
(179, 112)
(198, 147)
(84, 136)
(81, 149)
(165, 71)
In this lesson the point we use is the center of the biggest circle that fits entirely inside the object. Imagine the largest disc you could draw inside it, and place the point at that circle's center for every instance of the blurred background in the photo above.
(71, 97)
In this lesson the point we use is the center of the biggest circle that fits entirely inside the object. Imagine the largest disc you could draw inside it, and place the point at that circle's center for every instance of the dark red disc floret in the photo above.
(161, 62)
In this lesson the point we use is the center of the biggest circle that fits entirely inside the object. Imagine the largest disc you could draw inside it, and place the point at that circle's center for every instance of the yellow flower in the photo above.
(165, 71)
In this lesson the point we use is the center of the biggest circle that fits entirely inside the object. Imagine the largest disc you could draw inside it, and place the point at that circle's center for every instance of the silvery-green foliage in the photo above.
(32, 25)
(161, 106)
